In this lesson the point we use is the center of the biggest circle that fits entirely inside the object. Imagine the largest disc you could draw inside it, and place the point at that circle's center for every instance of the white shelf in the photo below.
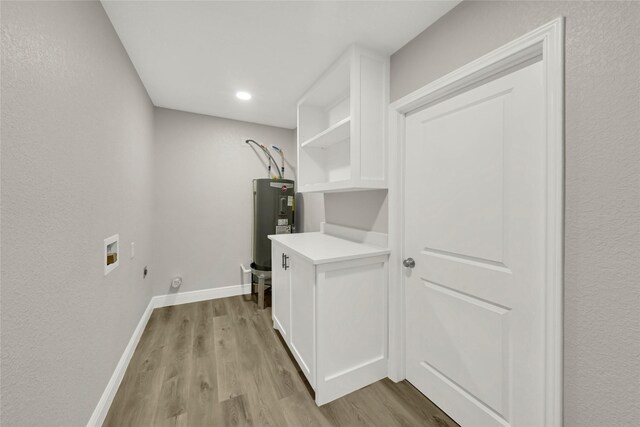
(342, 125)
(336, 133)
(343, 185)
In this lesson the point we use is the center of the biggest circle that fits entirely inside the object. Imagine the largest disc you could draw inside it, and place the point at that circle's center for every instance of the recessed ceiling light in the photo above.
(245, 96)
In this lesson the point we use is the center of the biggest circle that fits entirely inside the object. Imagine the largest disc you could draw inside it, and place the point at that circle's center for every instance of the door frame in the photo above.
(546, 42)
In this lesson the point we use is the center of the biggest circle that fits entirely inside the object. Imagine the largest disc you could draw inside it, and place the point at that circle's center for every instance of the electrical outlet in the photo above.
(176, 282)
(133, 249)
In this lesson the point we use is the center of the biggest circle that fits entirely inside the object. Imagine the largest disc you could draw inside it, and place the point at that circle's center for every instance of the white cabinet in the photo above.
(334, 293)
(342, 125)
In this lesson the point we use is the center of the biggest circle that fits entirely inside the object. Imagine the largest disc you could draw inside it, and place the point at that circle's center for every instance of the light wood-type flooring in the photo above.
(220, 363)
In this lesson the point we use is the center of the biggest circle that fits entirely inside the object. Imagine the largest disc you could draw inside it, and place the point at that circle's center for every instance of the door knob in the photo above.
(409, 263)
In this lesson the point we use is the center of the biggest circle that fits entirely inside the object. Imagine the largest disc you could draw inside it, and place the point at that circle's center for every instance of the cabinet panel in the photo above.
(352, 326)
(280, 293)
(302, 338)
(373, 105)
(351, 311)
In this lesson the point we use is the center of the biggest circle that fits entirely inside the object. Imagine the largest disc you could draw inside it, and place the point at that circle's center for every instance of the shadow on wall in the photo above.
(309, 212)
(366, 210)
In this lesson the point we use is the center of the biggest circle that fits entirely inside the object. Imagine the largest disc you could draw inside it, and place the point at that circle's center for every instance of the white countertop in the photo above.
(321, 248)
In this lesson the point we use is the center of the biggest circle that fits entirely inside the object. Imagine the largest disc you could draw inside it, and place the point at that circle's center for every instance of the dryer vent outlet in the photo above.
(176, 282)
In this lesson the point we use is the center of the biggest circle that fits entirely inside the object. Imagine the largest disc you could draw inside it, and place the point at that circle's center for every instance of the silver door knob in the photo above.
(409, 263)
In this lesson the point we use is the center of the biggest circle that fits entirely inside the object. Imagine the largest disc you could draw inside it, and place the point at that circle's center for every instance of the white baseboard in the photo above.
(201, 295)
(101, 410)
(100, 413)
(245, 274)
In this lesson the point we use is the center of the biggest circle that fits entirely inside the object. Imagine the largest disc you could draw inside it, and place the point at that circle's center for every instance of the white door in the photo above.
(475, 226)
(280, 292)
(303, 314)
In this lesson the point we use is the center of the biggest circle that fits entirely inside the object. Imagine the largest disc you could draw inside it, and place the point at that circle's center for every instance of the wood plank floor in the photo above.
(220, 363)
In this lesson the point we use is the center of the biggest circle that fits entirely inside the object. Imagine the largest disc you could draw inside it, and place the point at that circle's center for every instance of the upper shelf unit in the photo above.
(342, 124)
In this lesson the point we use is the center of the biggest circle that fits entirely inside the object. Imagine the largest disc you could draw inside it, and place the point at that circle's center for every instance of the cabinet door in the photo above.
(302, 338)
(280, 292)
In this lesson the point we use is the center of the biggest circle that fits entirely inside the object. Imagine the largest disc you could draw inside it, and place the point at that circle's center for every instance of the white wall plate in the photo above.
(111, 257)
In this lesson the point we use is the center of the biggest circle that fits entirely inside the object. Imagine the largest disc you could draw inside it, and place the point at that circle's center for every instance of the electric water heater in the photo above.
(273, 213)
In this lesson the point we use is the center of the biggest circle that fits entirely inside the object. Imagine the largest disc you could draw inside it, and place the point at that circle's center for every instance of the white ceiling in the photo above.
(195, 55)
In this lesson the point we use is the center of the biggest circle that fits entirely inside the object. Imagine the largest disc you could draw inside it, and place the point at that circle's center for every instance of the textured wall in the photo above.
(76, 168)
(203, 196)
(602, 254)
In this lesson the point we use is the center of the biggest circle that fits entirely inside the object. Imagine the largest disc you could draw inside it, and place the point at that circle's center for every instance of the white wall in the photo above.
(366, 210)
(76, 168)
(602, 253)
(203, 196)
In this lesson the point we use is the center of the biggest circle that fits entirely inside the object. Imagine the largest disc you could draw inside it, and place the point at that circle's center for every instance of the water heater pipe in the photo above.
(269, 156)
(266, 150)
(279, 150)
